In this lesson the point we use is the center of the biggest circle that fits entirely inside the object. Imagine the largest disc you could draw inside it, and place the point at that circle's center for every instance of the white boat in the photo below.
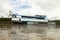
(25, 18)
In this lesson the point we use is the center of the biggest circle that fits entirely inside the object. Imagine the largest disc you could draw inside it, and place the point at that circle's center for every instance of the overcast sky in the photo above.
(51, 8)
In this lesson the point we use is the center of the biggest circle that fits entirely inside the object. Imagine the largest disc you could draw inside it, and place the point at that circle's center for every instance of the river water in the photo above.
(29, 32)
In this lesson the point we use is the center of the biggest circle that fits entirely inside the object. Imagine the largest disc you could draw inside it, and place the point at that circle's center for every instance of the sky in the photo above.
(51, 8)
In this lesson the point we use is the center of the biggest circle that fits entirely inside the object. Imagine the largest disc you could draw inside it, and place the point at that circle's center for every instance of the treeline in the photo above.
(5, 20)
(56, 21)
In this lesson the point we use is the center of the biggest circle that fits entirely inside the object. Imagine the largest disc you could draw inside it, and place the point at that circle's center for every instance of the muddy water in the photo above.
(29, 32)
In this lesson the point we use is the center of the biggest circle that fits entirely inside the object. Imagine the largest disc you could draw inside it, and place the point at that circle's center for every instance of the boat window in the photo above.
(35, 17)
(14, 16)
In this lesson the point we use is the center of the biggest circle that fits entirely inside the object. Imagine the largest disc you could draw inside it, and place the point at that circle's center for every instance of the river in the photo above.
(29, 32)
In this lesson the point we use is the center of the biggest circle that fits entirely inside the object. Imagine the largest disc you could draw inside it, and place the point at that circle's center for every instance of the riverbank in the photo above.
(9, 21)
(5, 22)
(57, 22)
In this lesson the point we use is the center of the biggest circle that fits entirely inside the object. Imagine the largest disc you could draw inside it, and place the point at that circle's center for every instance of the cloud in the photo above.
(51, 8)
(4, 8)
(26, 7)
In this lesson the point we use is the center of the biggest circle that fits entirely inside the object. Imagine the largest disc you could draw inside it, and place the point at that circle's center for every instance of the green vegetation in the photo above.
(5, 22)
(5, 19)
(57, 21)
